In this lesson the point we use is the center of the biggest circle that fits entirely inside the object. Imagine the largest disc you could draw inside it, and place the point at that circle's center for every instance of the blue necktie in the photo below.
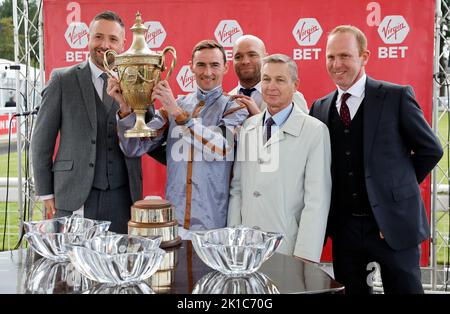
(269, 123)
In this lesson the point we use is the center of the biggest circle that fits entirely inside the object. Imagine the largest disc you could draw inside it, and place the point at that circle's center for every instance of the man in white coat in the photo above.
(282, 178)
(248, 51)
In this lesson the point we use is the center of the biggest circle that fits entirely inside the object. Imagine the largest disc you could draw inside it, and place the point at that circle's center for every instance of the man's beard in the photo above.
(250, 77)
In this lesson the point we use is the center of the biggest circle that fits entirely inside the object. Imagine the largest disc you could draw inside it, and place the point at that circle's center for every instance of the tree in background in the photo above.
(6, 8)
(7, 29)
(7, 36)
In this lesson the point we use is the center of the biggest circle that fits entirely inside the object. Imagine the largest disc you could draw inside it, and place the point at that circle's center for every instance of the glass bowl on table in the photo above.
(235, 251)
(117, 259)
(217, 283)
(47, 276)
(50, 237)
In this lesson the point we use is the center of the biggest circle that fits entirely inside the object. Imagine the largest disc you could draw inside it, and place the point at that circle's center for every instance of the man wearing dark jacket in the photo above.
(382, 149)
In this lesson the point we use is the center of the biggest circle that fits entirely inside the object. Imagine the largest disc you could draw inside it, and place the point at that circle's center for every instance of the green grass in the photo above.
(13, 223)
(443, 137)
(443, 225)
(12, 165)
(12, 235)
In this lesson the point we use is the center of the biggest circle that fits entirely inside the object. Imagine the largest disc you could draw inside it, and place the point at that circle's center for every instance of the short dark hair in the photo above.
(209, 44)
(109, 16)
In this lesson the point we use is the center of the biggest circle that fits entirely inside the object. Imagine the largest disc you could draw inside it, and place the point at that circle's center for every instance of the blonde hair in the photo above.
(359, 35)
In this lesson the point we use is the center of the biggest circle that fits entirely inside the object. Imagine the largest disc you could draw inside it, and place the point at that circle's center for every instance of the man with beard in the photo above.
(248, 51)
(89, 170)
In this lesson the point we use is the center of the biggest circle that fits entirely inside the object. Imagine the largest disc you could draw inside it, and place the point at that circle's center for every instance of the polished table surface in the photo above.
(23, 271)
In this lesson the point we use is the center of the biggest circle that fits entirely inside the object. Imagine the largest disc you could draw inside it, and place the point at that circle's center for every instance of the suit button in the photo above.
(348, 153)
(256, 194)
(354, 195)
(91, 165)
(350, 174)
(346, 131)
(110, 161)
(92, 141)
(110, 148)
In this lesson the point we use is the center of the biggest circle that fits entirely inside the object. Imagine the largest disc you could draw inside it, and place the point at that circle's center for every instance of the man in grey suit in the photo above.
(382, 149)
(89, 168)
(248, 51)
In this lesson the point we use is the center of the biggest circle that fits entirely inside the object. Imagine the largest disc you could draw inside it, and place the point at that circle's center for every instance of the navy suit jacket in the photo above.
(399, 150)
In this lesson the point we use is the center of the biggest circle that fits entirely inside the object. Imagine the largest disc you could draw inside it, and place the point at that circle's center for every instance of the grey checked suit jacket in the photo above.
(68, 108)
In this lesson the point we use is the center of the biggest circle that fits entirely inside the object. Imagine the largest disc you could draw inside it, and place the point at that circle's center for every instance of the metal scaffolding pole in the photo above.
(28, 49)
(440, 174)
(435, 119)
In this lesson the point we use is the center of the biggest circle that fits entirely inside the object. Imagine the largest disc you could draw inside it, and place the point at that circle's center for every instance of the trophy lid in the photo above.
(139, 45)
(152, 204)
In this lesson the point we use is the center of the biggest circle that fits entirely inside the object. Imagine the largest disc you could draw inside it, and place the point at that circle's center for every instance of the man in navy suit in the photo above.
(382, 149)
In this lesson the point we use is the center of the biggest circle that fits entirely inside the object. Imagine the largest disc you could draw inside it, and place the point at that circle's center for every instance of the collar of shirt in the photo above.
(357, 92)
(96, 79)
(209, 97)
(280, 117)
(257, 87)
(256, 95)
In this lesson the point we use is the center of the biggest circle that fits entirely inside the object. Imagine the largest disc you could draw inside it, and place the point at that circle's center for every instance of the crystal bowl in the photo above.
(117, 259)
(50, 238)
(132, 288)
(217, 283)
(51, 277)
(235, 251)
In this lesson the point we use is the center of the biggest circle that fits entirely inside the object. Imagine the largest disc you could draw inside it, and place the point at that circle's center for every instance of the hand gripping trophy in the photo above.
(139, 70)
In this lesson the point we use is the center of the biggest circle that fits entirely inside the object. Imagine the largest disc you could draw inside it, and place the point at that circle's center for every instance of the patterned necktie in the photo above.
(269, 123)
(344, 111)
(247, 91)
(106, 99)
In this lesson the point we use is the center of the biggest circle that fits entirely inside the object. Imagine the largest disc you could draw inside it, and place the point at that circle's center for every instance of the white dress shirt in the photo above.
(357, 92)
(256, 95)
(96, 73)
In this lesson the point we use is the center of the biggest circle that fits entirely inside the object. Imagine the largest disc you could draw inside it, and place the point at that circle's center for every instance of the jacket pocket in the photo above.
(63, 165)
(405, 192)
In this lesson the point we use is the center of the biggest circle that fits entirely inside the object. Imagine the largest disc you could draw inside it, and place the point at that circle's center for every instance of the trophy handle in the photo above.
(106, 65)
(174, 60)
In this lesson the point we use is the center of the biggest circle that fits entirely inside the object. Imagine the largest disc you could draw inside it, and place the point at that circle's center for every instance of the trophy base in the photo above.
(140, 133)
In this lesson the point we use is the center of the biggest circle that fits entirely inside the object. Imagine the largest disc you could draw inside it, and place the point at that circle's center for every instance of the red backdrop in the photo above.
(400, 36)
(4, 125)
